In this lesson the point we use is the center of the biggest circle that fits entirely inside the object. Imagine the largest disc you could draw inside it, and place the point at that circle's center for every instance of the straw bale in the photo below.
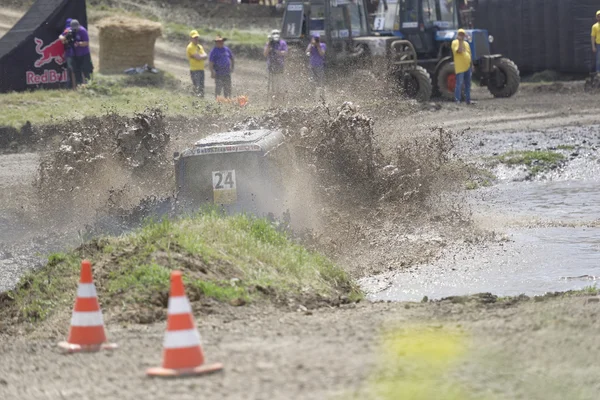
(126, 42)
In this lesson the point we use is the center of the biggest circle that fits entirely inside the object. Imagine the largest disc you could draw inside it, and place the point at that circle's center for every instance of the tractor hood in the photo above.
(450, 35)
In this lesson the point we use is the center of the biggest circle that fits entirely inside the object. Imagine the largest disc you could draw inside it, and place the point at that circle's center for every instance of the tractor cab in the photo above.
(337, 22)
(423, 22)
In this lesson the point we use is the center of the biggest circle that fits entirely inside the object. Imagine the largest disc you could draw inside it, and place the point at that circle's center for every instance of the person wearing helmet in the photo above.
(461, 50)
(275, 51)
(596, 40)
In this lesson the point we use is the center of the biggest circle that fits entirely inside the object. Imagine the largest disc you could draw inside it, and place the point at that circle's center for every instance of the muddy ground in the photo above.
(515, 350)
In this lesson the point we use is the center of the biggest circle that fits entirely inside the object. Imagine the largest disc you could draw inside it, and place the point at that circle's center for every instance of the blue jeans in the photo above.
(597, 57)
(463, 77)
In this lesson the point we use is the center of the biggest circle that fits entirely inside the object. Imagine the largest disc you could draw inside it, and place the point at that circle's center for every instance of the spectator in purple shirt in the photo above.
(78, 39)
(316, 52)
(221, 67)
(275, 51)
(69, 52)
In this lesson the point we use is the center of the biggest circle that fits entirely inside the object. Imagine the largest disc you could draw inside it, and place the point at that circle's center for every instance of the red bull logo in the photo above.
(55, 51)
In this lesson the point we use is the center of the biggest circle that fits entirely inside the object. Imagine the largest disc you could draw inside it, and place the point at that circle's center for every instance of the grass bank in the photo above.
(234, 260)
(123, 94)
(535, 160)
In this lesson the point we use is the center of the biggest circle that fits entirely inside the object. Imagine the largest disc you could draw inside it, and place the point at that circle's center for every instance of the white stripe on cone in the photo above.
(179, 305)
(86, 290)
(87, 318)
(181, 339)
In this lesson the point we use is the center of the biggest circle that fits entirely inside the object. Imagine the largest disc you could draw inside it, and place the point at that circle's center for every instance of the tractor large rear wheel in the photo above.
(416, 83)
(506, 80)
(446, 81)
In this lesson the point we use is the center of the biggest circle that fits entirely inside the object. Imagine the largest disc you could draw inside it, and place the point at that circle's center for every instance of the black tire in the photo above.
(509, 82)
(445, 72)
(416, 84)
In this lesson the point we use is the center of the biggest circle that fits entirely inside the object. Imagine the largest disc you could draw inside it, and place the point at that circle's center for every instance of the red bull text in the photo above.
(48, 76)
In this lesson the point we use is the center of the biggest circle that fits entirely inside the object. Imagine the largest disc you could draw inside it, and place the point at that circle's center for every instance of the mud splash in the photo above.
(377, 212)
(103, 164)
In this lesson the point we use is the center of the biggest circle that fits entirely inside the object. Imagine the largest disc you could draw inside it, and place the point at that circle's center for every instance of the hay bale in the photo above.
(126, 43)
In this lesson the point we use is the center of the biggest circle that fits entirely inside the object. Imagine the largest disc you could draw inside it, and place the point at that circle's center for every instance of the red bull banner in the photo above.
(31, 55)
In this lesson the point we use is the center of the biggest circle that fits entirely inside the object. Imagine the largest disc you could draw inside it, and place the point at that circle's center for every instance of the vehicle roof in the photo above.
(249, 140)
(256, 136)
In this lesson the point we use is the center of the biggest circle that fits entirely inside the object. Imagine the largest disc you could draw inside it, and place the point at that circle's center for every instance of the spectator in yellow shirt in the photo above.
(461, 50)
(196, 54)
(596, 40)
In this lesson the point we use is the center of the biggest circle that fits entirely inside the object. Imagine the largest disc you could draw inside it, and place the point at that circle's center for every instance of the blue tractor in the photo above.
(430, 27)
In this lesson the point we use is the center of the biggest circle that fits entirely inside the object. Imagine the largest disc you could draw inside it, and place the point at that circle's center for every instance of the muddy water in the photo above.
(550, 230)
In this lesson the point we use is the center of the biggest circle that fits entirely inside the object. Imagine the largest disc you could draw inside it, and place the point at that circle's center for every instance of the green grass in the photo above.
(529, 157)
(128, 94)
(565, 147)
(237, 259)
(536, 161)
(479, 177)
(175, 31)
(180, 32)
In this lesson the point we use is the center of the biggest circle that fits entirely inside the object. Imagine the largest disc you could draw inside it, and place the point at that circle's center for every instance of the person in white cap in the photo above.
(275, 52)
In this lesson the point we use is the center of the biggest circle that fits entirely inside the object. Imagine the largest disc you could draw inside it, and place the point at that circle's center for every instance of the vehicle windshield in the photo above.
(409, 12)
(358, 18)
(448, 17)
(317, 19)
(387, 20)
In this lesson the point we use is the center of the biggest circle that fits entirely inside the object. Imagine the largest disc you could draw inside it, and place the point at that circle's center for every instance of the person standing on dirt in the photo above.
(67, 40)
(461, 50)
(77, 38)
(275, 52)
(196, 55)
(221, 67)
(596, 40)
(316, 51)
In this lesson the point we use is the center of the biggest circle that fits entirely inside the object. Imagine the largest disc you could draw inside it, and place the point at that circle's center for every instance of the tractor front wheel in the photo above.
(504, 80)
(416, 83)
(446, 81)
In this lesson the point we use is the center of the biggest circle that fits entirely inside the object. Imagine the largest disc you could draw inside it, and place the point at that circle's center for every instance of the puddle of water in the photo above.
(555, 200)
(534, 262)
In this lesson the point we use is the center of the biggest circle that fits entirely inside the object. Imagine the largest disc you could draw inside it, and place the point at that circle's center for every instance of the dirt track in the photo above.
(529, 351)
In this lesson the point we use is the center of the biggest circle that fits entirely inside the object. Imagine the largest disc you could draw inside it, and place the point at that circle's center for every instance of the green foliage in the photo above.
(40, 292)
(529, 157)
(225, 258)
(568, 147)
(141, 281)
(175, 31)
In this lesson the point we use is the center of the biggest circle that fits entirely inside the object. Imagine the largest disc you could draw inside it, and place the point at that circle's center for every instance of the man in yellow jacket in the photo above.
(461, 50)
(196, 55)
(596, 40)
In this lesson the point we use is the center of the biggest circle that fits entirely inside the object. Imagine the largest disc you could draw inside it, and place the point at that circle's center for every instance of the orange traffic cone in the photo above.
(87, 325)
(182, 353)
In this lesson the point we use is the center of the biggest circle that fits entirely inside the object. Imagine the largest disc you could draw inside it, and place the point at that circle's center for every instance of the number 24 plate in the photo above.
(224, 187)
